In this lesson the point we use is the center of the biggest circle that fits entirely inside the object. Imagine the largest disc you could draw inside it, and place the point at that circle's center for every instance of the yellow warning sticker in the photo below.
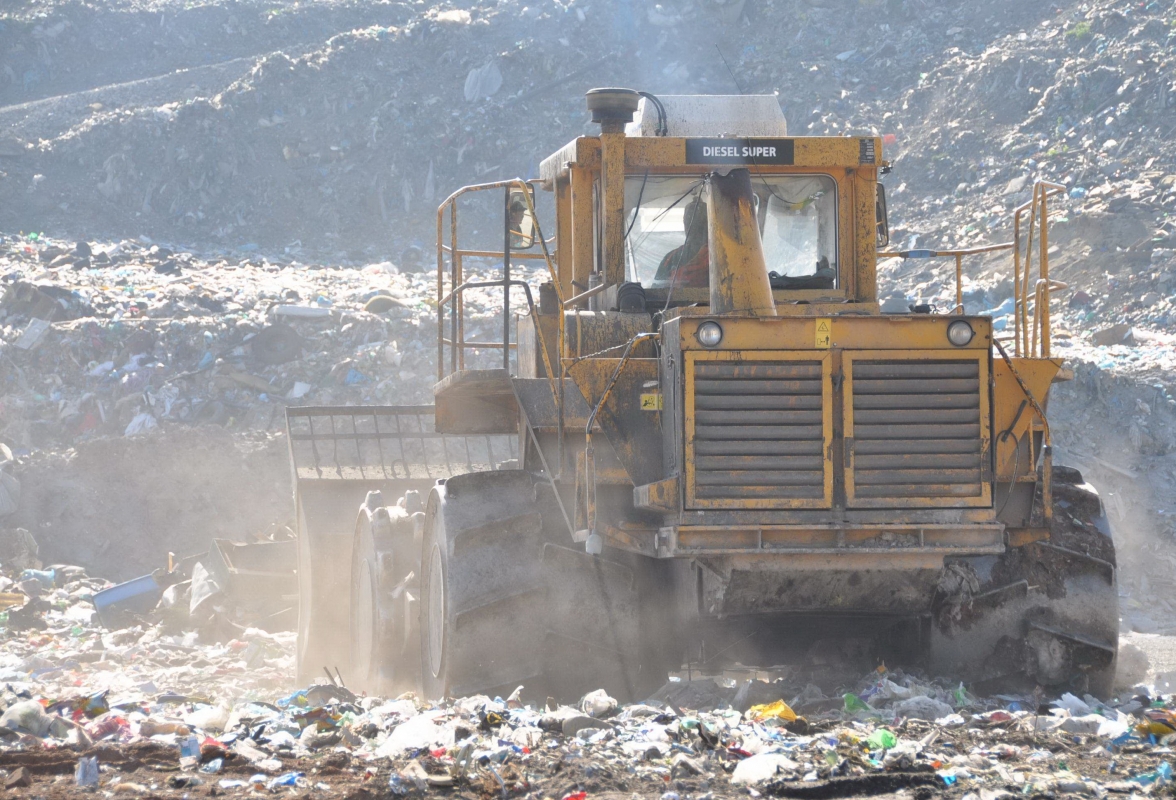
(824, 333)
(651, 402)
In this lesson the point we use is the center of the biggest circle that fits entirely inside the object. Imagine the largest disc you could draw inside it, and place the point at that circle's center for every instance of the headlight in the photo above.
(709, 334)
(960, 333)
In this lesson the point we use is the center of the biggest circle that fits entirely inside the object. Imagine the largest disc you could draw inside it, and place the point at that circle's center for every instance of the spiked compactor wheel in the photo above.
(385, 638)
(503, 605)
(1043, 614)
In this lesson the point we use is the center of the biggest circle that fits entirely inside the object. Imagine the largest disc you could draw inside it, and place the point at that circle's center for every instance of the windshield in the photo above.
(666, 224)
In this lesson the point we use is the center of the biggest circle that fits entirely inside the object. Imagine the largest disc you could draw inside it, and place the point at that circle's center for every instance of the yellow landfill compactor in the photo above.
(707, 440)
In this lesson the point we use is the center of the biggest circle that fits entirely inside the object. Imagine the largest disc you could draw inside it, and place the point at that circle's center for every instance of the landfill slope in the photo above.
(345, 143)
(144, 389)
(210, 211)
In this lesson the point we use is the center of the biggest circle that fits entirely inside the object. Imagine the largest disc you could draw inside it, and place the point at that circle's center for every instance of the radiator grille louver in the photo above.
(759, 433)
(917, 433)
(760, 430)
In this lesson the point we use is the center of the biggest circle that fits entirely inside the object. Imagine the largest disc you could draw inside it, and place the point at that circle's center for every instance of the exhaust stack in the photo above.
(738, 272)
(613, 109)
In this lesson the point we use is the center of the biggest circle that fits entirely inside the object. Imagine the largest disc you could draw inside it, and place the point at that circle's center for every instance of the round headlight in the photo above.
(709, 334)
(960, 333)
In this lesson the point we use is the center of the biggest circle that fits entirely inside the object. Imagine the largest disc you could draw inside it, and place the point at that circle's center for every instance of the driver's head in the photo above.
(517, 209)
(694, 219)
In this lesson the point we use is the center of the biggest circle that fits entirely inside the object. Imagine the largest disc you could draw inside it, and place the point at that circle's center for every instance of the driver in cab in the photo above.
(688, 266)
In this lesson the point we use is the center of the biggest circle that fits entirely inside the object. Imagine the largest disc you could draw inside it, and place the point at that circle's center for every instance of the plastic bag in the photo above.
(28, 716)
(853, 703)
(776, 710)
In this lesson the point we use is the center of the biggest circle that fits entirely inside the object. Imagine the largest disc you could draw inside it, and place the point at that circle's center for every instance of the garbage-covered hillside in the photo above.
(212, 210)
(346, 144)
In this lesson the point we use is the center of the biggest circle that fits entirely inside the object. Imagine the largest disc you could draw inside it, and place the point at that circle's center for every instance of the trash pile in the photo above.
(1065, 100)
(334, 150)
(339, 146)
(140, 711)
(123, 338)
(162, 684)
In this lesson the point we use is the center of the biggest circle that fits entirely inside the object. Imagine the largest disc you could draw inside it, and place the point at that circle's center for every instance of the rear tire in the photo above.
(1043, 614)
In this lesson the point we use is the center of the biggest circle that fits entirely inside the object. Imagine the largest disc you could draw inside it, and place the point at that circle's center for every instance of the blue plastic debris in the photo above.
(288, 779)
(139, 594)
(46, 577)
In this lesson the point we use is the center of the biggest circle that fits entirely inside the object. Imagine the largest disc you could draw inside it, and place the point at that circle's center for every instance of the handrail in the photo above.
(456, 339)
(959, 267)
(582, 296)
(1040, 299)
(1038, 208)
(1029, 339)
(495, 254)
(506, 283)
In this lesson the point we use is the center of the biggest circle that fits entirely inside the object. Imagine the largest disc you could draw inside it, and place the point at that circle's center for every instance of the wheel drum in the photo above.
(326, 531)
(1045, 613)
(383, 584)
(507, 599)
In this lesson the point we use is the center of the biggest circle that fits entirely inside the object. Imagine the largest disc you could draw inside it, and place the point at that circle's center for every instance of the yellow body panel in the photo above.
(891, 332)
(1014, 417)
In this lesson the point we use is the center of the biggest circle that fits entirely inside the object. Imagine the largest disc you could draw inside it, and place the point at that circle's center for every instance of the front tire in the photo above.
(507, 599)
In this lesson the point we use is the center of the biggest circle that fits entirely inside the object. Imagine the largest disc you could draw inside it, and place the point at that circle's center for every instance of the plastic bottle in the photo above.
(86, 773)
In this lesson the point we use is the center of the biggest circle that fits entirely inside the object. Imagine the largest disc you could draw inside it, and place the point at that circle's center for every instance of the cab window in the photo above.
(666, 230)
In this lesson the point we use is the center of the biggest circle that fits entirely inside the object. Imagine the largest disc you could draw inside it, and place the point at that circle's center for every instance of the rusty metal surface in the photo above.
(759, 430)
(385, 443)
(846, 585)
(664, 496)
(595, 332)
(835, 539)
(474, 401)
(539, 406)
(635, 434)
(848, 331)
(1015, 421)
(738, 272)
(912, 388)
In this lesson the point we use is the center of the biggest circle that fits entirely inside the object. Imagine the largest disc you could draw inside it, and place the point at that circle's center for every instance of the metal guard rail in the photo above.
(453, 299)
(1029, 339)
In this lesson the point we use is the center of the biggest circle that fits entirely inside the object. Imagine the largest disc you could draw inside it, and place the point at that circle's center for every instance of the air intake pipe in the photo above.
(738, 272)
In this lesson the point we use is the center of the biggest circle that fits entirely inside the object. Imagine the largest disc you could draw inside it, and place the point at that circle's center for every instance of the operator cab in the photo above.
(666, 215)
(666, 236)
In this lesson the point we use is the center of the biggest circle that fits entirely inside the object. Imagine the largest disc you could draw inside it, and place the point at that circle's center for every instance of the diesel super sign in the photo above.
(740, 151)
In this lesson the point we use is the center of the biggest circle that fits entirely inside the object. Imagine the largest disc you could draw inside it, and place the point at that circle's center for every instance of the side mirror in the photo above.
(883, 223)
(521, 220)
